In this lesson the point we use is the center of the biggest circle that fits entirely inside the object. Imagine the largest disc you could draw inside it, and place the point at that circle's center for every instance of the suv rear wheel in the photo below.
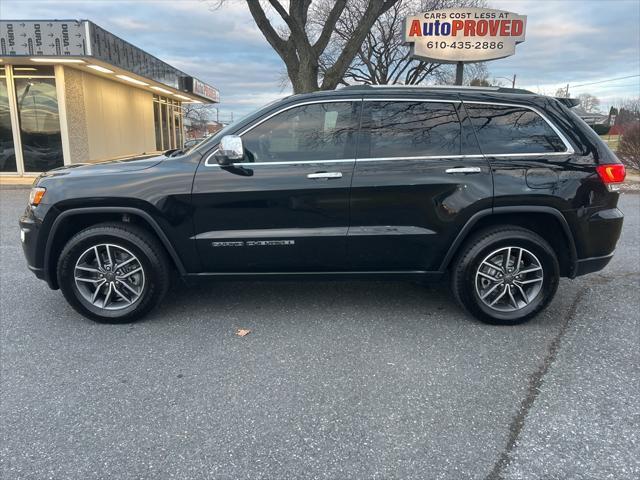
(113, 273)
(505, 275)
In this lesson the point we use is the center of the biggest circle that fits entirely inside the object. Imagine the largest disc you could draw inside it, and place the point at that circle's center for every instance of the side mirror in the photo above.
(231, 150)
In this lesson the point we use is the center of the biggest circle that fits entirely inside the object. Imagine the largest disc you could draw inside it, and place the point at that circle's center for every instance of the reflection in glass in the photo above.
(323, 131)
(7, 150)
(172, 138)
(39, 123)
(178, 124)
(409, 129)
(166, 145)
(504, 129)
(157, 122)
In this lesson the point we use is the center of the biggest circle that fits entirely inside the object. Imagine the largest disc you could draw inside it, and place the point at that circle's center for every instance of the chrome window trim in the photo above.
(567, 144)
(422, 157)
(440, 157)
(569, 148)
(293, 162)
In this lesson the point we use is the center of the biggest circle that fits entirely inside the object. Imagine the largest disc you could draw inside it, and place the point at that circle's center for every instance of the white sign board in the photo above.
(464, 34)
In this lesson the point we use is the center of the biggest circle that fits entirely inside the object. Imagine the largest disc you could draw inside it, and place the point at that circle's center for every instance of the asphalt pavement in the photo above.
(337, 380)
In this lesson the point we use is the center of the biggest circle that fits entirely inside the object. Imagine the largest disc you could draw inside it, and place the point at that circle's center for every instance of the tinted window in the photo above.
(319, 131)
(503, 129)
(409, 129)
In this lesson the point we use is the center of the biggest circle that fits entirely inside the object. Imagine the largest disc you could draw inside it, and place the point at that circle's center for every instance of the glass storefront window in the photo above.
(157, 122)
(177, 111)
(167, 116)
(166, 145)
(37, 105)
(7, 149)
(172, 138)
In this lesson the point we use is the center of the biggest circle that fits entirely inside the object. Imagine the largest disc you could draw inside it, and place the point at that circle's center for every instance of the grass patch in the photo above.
(612, 141)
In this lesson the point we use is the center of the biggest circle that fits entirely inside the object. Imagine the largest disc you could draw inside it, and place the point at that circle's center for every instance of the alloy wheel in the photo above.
(509, 279)
(109, 276)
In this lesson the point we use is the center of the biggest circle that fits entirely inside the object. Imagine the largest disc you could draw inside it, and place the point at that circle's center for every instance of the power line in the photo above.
(603, 81)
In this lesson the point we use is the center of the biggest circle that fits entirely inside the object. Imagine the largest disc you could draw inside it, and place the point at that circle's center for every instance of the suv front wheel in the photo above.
(113, 273)
(505, 275)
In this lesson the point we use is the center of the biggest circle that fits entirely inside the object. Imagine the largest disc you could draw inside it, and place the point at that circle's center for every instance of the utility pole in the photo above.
(513, 84)
(567, 92)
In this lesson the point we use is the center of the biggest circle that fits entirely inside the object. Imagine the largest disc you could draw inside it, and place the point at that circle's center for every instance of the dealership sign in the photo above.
(464, 34)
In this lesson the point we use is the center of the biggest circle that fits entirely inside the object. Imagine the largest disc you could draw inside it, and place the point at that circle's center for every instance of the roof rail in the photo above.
(441, 87)
(568, 102)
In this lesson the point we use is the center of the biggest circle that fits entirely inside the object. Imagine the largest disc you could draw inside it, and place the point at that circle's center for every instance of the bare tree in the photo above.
(629, 149)
(589, 103)
(383, 58)
(300, 45)
(562, 92)
(476, 74)
(627, 110)
(196, 116)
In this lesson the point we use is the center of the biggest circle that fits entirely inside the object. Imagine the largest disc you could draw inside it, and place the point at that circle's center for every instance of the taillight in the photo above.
(612, 175)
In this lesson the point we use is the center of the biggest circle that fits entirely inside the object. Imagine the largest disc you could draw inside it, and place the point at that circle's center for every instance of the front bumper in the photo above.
(29, 229)
(593, 264)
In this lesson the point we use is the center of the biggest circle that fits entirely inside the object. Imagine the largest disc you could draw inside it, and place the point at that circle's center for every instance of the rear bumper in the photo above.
(593, 264)
(596, 240)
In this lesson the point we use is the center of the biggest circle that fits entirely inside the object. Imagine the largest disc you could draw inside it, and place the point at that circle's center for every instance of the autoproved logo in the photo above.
(464, 34)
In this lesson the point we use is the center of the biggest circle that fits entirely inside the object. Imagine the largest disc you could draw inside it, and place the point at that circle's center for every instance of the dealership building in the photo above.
(71, 92)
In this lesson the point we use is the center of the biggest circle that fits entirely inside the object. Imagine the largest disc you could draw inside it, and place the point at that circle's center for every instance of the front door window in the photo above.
(313, 132)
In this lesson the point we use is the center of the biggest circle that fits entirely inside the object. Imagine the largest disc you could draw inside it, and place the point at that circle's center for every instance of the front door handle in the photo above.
(463, 170)
(325, 175)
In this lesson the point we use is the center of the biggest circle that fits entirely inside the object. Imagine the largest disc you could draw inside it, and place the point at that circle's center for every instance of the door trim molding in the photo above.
(272, 233)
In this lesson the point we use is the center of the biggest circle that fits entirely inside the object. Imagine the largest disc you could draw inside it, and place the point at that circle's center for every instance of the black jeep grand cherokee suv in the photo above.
(503, 190)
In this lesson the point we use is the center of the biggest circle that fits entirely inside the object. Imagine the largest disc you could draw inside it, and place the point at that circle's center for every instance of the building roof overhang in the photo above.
(84, 45)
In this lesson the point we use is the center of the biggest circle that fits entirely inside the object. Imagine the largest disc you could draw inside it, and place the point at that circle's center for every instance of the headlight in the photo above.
(36, 195)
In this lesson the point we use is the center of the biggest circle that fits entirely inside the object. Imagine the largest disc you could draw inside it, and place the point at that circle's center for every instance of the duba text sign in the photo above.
(464, 34)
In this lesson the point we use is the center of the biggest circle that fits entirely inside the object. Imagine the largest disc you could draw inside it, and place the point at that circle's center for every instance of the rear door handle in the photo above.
(325, 175)
(463, 170)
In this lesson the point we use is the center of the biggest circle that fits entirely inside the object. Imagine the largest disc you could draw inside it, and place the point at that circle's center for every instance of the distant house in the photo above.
(590, 118)
(199, 129)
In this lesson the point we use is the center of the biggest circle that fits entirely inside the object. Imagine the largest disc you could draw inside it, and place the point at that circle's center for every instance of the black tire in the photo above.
(465, 279)
(149, 255)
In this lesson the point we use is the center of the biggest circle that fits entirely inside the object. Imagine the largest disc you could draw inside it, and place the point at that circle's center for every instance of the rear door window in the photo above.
(503, 129)
(409, 129)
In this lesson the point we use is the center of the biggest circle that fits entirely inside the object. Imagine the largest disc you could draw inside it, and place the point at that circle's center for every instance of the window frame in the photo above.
(207, 162)
(210, 161)
(569, 148)
(453, 102)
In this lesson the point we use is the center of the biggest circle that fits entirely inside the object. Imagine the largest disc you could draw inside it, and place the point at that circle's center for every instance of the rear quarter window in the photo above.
(505, 129)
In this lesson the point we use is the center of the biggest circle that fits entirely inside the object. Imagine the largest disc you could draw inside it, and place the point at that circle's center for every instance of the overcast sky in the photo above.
(570, 41)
